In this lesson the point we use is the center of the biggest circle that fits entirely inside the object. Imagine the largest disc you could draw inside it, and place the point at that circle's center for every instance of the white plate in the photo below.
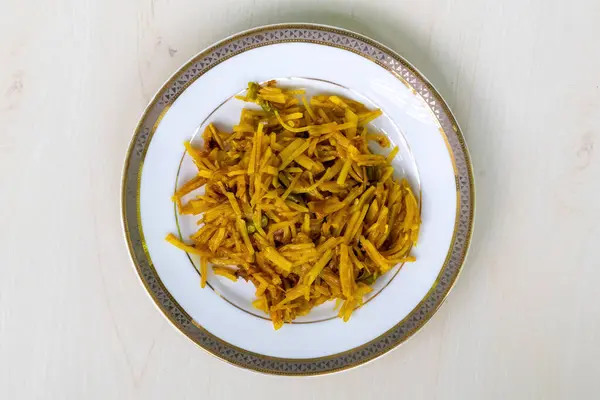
(320, 59)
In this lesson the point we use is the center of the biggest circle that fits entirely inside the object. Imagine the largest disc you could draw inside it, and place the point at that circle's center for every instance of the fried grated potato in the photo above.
(296, 203)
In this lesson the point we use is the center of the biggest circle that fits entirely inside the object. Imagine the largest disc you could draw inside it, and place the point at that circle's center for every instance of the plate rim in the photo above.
(179, 318)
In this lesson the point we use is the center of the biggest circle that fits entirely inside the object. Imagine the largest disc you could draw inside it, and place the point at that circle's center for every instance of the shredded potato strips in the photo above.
(295, 203)
(226, 272)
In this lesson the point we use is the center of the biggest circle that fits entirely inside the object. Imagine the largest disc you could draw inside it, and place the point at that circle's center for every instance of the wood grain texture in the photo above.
(522, 78)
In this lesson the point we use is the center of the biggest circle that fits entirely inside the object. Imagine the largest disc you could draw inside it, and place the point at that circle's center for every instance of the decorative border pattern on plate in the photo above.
(327, 36)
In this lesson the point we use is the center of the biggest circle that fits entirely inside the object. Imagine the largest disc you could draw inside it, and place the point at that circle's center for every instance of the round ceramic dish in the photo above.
(320, 59)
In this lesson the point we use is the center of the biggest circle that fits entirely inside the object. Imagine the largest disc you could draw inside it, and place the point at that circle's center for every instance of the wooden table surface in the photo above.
(522, 77)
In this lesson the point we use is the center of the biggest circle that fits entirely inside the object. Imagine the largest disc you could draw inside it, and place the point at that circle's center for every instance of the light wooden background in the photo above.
(522, 77)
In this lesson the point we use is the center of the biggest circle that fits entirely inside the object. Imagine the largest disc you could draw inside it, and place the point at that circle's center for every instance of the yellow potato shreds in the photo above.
(296, 203)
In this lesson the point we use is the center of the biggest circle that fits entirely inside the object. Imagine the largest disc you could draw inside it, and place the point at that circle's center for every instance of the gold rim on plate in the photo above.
(327, 36)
